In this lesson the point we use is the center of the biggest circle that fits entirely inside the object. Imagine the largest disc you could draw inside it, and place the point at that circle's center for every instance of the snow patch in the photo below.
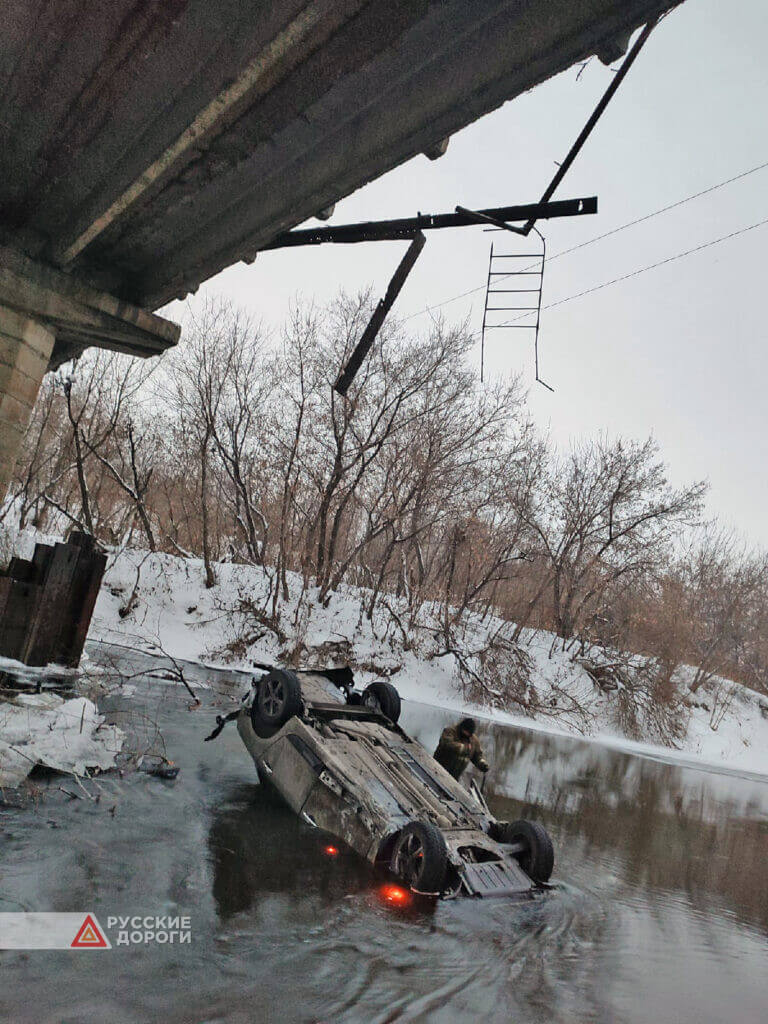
(177, 615)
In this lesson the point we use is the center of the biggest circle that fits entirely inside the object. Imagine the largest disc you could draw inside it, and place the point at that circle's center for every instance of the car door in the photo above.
(292, 767)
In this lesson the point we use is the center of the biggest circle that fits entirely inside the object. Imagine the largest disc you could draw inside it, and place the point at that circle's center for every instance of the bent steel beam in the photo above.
(363, 346)
(405, 227)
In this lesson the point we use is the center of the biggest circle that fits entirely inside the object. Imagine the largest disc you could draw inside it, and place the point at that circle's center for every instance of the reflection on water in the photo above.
(674, 829)
(660, 910)
(257, 846)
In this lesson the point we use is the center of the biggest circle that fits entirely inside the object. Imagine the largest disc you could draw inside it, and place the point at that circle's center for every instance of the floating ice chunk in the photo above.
(45, 729)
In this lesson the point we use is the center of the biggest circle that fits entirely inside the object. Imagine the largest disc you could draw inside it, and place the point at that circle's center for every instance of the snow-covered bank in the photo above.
(171, 611)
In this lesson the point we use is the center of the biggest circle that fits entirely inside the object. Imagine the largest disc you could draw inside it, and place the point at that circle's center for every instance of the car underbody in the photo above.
(344, 765)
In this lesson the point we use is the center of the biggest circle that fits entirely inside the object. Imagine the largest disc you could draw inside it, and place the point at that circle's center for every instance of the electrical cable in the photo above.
(652, 266)
(664, 209)
(607, 234)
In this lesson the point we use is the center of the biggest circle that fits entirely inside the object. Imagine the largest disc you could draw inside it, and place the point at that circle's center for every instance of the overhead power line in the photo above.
(652, 266)
(664, 209)
(614, 231)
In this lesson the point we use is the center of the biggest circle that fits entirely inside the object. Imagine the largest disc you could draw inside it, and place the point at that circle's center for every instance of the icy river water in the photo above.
(660, 911)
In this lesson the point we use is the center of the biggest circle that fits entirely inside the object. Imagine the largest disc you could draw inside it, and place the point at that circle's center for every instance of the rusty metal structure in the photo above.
(505, 279)
(46, 602)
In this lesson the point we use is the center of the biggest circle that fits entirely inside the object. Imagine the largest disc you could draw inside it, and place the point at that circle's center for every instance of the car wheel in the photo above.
(537, 855)
(420, 857)
(383, 697)
(278, 698)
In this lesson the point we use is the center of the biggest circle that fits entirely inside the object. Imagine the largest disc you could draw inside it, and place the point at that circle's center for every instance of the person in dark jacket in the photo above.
(458, 746)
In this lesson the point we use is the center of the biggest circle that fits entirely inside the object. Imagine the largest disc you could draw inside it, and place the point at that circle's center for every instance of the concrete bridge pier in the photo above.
(25, 351)
(46, 318)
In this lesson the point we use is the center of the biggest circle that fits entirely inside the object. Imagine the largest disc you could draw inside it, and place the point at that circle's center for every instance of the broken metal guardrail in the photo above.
(383, 307)
(499, 217)
(413, 228)
(405, 228)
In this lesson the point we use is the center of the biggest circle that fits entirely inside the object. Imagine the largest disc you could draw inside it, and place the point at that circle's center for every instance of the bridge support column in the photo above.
(48, 317)
(25, 349)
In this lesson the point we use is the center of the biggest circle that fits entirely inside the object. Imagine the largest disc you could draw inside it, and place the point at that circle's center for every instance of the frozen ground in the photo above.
(171, 611)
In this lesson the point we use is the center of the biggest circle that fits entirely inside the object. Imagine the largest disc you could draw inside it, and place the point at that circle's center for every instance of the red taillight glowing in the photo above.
(330, 851)
(395, 894)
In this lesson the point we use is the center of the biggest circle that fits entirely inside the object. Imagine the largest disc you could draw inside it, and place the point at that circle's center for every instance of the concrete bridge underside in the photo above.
(148, 144)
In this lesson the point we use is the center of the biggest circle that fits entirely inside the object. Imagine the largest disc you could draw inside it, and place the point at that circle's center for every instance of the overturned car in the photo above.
(339, 759)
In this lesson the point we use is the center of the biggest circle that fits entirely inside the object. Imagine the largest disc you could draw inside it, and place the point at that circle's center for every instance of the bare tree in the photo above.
(289, 417)
(98, 388)
(43, 460)
(605, 512)
(435, 495)
(722, 581)
(192, 390)
(131, 467)
(239, 394)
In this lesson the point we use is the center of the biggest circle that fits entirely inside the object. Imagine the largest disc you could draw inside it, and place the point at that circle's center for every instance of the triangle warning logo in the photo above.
(90, 935)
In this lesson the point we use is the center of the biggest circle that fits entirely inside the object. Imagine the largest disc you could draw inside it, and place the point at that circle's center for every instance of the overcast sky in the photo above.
(679, 352)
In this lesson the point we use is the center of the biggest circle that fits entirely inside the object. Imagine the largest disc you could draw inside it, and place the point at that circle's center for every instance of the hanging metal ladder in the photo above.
(505, 280)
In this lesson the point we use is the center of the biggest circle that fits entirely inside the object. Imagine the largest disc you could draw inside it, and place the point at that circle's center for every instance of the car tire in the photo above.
(383, 697)
(420, 857)
(537, 858)
(277, 699)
